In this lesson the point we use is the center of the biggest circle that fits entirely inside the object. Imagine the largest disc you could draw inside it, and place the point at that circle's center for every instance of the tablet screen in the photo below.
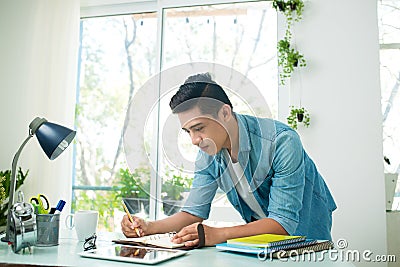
(133, 254)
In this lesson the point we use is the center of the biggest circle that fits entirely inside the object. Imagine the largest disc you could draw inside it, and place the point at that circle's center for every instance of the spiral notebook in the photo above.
(319, 246)
(157, 240)
(281, 251)
(265, 240)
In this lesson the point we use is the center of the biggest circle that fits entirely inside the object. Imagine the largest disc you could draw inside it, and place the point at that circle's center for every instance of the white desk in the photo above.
(65, 254)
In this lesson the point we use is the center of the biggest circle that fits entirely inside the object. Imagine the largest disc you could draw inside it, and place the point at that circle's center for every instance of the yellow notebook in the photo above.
(266, 240)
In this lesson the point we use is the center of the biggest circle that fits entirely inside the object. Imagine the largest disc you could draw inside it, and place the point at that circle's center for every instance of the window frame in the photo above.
(95, 8)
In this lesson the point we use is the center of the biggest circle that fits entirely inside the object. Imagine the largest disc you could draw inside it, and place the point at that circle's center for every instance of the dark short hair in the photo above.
(199, 90)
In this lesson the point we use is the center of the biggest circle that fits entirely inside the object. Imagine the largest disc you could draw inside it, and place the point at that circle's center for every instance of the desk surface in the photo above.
(65, 254)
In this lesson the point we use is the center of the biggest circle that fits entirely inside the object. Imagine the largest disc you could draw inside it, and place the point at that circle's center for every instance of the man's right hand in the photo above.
(128, 228)
(172, 223)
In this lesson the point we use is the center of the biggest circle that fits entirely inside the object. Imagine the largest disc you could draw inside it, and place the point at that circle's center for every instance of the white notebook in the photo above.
(158, 240)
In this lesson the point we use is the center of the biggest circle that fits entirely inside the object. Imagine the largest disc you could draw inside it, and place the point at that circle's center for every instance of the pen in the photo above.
(58, 208)
(130, 217)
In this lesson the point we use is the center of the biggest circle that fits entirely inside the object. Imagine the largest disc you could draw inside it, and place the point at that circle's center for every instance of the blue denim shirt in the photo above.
(282, 177)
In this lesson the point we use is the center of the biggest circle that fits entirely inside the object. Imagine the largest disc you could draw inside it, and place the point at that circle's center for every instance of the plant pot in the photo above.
(292, 6)
(136, 205)
(300, 117)
(281, 6)
(171, 206)
(295, 63)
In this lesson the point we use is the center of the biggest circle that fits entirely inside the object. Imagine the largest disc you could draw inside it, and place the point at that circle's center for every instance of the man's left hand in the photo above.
(190, 237)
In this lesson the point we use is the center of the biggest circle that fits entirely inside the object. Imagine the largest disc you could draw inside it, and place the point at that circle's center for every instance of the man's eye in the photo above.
(198, 129)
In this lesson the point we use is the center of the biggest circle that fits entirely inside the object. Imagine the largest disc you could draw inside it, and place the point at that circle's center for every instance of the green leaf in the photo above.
(292, 118)
(5, 182)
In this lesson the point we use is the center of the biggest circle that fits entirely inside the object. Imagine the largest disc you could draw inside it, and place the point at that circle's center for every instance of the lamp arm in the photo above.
(13, 182)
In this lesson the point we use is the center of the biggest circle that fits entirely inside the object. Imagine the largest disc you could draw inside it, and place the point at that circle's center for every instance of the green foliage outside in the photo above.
(133, 185)
(102, 201)
(5, 177)
(126, 184)
(173, 187)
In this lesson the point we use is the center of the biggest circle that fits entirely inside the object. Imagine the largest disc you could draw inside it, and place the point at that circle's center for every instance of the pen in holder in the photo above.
(48, 226)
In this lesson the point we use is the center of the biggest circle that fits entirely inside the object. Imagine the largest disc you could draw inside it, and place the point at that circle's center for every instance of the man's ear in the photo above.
(226, 112)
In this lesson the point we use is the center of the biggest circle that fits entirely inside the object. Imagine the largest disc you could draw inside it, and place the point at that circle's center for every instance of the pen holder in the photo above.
(48, 226)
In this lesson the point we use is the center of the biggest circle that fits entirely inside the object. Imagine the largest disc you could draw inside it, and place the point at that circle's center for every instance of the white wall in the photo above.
(341, 89)
(38, 51)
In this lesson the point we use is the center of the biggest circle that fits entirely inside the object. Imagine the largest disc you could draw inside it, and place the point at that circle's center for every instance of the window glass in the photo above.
(389, 35)
(111, 71)
(389, 23)
(241, 36)
(119, 55)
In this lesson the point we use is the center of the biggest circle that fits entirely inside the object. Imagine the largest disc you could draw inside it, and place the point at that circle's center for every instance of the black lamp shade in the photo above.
(54, 138)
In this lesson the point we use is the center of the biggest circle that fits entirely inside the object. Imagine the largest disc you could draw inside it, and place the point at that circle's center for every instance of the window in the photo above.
(111, 71)
(119, 54)
(389, 36)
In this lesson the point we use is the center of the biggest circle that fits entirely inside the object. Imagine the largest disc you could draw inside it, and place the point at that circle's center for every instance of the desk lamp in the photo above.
(53, 139)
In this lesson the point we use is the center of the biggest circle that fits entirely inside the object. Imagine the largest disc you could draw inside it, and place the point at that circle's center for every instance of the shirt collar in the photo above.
(244, 138)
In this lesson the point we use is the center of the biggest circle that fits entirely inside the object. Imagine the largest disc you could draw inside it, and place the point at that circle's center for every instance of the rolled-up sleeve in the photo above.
(287, 187)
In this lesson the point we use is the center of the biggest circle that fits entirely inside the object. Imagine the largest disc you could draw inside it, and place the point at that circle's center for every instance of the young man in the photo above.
(261, 165)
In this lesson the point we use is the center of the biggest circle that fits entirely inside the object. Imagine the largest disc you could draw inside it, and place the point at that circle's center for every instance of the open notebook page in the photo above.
(159, 240)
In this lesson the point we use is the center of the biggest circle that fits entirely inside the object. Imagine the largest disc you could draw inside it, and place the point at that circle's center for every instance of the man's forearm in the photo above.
(173, 223)
(254, 228)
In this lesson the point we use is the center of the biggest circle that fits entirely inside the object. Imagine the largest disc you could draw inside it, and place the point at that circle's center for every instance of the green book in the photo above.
(265, 240)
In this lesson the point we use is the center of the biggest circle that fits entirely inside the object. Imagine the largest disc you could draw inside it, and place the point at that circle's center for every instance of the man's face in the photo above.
(206, 132)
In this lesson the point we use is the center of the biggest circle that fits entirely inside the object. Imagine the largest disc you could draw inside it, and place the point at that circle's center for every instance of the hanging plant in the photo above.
(298, 115)
(293, 11)
(288, 59)
(288, 7)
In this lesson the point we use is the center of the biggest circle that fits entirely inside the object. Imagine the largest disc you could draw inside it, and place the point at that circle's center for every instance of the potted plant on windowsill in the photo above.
(134, 188)
(288, 59)
(172, 192)
(5, 190)
(298, 115)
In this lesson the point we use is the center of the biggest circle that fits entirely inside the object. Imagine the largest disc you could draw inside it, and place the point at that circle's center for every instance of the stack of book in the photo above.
(275, 246)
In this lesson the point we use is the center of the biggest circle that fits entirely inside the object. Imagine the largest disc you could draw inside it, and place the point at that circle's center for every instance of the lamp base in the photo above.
(3, 232)
(4, 239)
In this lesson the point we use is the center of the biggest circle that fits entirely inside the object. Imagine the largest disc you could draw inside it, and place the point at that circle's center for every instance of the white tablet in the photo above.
(135, 254)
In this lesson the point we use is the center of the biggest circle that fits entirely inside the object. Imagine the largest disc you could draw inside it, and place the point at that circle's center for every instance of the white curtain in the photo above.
(38, 72)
